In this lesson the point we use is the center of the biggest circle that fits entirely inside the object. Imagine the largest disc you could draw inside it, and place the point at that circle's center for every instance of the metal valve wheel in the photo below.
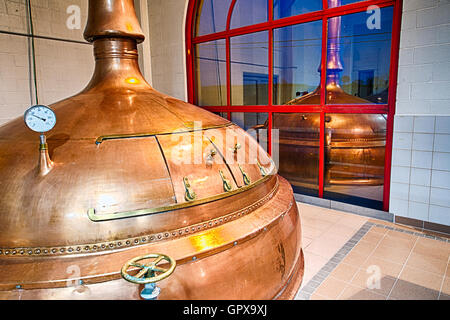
(148, 272)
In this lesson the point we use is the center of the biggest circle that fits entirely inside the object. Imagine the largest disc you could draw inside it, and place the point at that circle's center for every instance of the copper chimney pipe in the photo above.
(114, 30)
(334, 65)
(112, 19)
(117, 191)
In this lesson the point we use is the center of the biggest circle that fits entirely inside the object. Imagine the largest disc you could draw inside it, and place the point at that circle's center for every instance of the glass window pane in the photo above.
(222, 114)
(295, 143)
(249, 69)
(248, 12)
(288, 8)
(211, 16)
(296, 53)
(354, 158)
(338, 3)
(211, 73)
(359, 58)
(255, 123)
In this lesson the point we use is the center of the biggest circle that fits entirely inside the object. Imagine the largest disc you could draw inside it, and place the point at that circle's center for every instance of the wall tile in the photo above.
(440, 197)
(410, 5)
(439, 215)
(431, 54)
(400, 191)
(402, 140)
(419, 194)
(440, 179)
(421, 159)
(406, 57)
(442, 143)
(402, 157)
(403, 124)
(441, 71)
(399, 207)
(420, 177)
(423, 141)
(400, 174)
(424, 124)
(441, 161)
(418, 210)
(443, 125)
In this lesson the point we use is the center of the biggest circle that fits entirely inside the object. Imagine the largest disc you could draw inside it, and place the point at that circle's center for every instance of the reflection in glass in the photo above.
(296, 52)
(255, 124)
(354, 158)
(248, 12)
(249, 69)
(211, 16)
(288, 8)
(338, 3)
(359, 58)
(211, 73)
(298, 149)
(222, 114)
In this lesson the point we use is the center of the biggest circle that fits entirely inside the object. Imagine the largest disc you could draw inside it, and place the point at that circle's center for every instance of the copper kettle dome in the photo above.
(130, 171)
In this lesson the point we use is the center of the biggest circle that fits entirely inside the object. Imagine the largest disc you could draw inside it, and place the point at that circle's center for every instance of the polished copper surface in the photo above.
(124, 159)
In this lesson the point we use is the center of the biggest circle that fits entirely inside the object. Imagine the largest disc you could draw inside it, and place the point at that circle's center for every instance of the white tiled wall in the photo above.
(420, 179)
(424, 65)
(167, 29)
(63, 68)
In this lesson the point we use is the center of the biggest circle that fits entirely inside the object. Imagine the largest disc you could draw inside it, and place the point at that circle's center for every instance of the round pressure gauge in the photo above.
(40, 118)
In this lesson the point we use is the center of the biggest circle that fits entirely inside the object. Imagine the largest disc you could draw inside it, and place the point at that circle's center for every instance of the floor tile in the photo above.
(373, 236)
(387, 268)
(376, 283)
(364, 248)
(379, 230)
(316, 296)
(354, 259)
(399, 240)
(327, 245)
(331, 288)
(344, 272)
(352, 292)
(404, 290)
(444, 297)
(378, 263)
(446, 286)
(390, 253)
(428, 263)
(432, 248)
(422, 278)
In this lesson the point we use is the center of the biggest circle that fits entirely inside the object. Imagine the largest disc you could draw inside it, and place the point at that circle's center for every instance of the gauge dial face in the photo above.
(40, 118)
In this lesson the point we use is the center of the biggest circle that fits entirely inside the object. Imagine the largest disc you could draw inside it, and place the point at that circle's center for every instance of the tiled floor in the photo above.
(353, 257)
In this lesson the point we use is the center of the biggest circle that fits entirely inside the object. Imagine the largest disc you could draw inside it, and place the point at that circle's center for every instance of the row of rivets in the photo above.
(136, 241)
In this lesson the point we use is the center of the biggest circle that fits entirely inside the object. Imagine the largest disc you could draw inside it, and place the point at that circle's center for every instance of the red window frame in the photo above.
(323, 108)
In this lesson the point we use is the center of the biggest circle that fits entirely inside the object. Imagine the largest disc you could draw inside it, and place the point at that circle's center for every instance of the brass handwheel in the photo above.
(148, 271)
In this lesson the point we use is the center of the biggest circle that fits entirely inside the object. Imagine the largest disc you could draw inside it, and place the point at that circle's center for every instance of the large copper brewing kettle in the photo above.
(128, 171)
